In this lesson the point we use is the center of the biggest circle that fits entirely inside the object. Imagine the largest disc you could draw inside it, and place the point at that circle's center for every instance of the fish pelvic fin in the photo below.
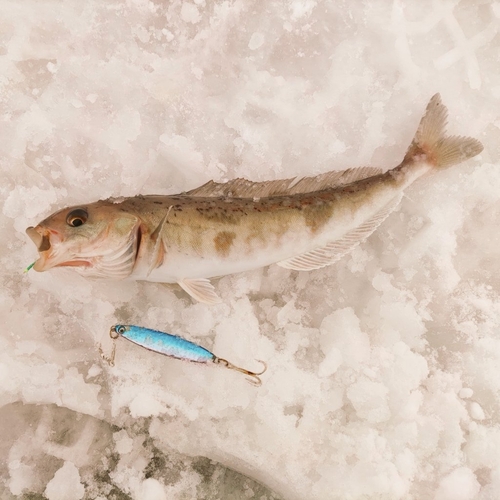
(200, 289)
(431, 143)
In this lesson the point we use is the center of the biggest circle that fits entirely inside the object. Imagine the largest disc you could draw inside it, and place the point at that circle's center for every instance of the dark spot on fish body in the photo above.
(317, 215)
(223, 242)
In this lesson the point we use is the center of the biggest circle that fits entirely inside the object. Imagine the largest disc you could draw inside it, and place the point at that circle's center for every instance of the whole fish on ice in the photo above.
(219, 229)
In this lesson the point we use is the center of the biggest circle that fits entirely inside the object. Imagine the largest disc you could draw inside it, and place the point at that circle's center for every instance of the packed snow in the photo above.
(383, 369)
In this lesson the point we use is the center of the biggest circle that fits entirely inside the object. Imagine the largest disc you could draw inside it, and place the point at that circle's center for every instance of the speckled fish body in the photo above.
(165, 343)
(208, 237)
(220, 229)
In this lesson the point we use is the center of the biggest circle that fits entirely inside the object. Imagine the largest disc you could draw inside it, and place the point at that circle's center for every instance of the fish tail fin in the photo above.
(432, 144)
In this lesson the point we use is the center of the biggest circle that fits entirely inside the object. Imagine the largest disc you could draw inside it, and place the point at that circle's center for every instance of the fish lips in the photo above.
(41, 239)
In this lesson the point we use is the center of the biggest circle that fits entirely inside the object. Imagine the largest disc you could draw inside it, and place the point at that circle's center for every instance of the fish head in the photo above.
(99, 240)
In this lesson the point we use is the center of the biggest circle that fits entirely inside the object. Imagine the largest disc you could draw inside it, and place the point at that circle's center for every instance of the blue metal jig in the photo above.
(174, 347)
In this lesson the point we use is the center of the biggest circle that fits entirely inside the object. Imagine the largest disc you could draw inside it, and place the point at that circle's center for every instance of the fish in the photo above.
(219, 229)
(173, 346)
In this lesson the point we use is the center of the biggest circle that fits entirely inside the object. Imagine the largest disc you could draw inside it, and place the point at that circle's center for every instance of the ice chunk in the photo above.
(369, 400)
(65, 485)
(341, 332)
(461, 484)
(190, 13)
(151, 489)
(123, 442)
(256, 41)
(476, 412)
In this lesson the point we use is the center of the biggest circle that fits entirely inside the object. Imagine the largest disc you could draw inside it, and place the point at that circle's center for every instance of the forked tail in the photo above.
(431, 143)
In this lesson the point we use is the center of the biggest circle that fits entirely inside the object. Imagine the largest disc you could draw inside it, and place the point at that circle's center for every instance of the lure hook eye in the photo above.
(253, 377)
(116, 331)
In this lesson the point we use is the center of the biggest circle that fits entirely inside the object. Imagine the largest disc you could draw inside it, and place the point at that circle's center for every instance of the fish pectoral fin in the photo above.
(159, 252)
(200, 289)
(333, 251)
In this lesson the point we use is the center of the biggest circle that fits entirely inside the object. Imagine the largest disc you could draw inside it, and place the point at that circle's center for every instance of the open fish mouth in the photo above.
(95, 259)
(41, 241)
(48, 257)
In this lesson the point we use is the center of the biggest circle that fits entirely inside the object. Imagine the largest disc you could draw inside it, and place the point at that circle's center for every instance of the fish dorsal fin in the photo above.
(243, 188)
(333, 251)
(200, 289)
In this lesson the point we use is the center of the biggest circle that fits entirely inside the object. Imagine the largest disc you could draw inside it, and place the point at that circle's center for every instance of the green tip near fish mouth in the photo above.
(29, 267)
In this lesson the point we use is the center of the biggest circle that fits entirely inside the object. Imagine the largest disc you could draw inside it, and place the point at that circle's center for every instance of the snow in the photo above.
(461, 484)
(256, 41)
(382, 377)
(65, 485)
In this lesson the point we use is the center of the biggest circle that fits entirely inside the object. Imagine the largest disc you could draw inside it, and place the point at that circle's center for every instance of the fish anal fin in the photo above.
(334, 250)
(243, 188)
(200, 289)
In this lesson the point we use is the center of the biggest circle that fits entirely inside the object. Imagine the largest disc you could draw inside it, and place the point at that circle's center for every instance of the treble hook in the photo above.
(253, 377)
(109, 359)
(113, 333)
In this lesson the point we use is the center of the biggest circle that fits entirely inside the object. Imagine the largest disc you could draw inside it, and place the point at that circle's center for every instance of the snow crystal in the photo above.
(466, 392)
(190, 13)
(461, 484)
(476, 412)
(256, 41)
(152, 490)
(124, 444)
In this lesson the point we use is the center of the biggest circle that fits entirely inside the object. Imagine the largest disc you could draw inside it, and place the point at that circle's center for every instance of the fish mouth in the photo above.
(48, 258)
(41, 241)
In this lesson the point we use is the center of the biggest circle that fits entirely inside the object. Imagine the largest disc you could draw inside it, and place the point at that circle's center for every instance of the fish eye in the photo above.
(120, 329)
(77, 217)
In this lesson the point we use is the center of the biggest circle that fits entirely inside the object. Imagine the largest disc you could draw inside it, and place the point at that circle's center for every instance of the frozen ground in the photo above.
(383, 379)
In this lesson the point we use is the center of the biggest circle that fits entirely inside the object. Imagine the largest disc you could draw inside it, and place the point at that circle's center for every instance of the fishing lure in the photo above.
(29, 267)
(174, 347)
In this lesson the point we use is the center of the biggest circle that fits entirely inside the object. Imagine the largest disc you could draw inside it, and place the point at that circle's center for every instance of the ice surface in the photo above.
(383, 368)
